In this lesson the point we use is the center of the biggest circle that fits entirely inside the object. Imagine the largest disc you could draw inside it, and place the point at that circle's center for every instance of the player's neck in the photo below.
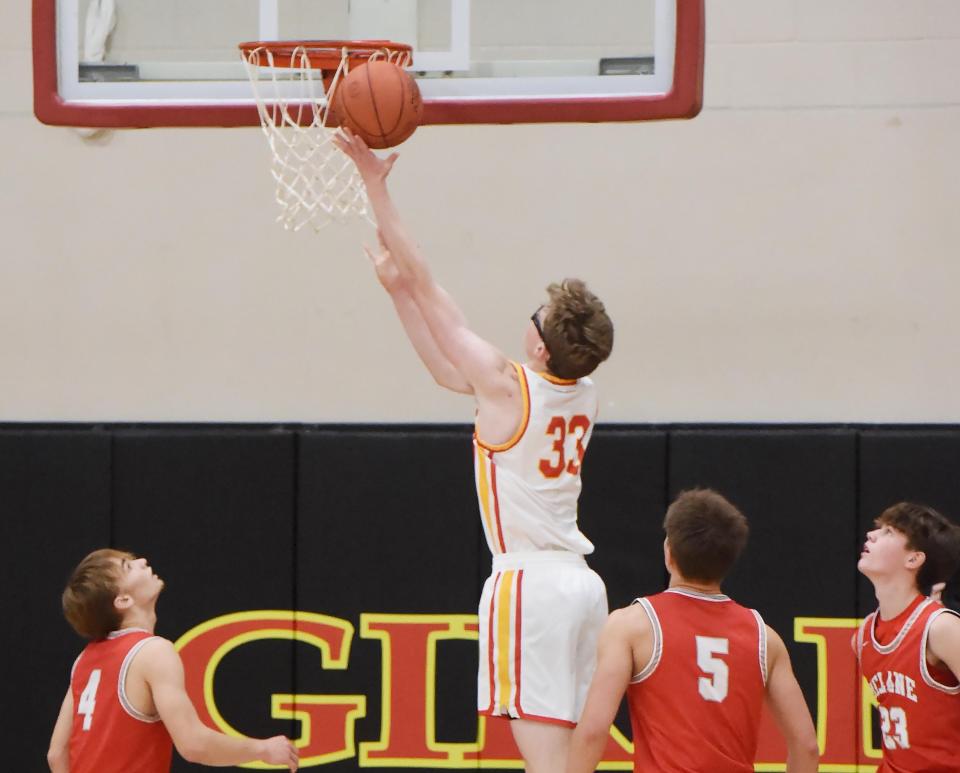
(709, 589)
(143, 619)
(894, 594)
(537, 364)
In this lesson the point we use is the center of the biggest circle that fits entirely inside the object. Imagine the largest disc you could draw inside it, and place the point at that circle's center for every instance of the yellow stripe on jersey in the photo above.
(483, 487)
(504, 638)
(524, 420)
(556, 380)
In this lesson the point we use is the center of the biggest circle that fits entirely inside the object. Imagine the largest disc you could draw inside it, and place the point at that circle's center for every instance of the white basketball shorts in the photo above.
(540, 618)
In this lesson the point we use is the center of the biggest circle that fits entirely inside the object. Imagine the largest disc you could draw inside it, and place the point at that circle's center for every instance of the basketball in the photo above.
(380, 102)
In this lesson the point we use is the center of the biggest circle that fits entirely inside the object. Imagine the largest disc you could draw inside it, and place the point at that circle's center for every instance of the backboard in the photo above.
(176, 63)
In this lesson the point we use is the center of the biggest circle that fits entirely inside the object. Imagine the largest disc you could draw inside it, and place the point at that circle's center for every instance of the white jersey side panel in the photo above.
(528, 487)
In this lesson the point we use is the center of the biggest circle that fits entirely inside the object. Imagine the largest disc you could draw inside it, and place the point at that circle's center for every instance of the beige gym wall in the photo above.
(789, 255)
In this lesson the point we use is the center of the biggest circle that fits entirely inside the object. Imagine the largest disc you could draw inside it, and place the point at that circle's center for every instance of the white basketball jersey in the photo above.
(528, 487)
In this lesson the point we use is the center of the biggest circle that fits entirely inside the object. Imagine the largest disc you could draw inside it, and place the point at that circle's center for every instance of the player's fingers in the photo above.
(370, 254)
(383, 242)
(341, 144)
(391, 160)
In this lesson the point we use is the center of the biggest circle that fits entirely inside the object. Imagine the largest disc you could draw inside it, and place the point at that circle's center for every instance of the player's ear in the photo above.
(123, 602)
(916, 559)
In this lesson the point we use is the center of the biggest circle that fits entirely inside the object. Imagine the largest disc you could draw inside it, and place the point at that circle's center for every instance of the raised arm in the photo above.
(789, 709)
(442, 370)
(610, 681)
(484, 368)
(58, 756)
(163, 671)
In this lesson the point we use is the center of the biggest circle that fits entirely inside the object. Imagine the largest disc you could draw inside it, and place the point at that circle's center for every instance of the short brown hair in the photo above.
(577, 332)
(89, 595)
(932, 534)
(706, 534)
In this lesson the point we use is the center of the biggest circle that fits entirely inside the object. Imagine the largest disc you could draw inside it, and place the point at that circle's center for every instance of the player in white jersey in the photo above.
(542, 608)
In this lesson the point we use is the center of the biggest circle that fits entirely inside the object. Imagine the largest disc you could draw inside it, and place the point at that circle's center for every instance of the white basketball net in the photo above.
(315, 182)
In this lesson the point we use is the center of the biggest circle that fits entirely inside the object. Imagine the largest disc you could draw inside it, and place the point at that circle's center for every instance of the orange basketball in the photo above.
(380, 102)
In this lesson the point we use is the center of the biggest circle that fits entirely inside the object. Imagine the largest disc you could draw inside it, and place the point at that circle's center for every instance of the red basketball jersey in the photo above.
(919, 706)
(108, 733)
(696, 705)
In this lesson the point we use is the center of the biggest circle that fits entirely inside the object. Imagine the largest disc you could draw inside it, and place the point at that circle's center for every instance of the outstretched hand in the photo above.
(388, 272)
(372, 168)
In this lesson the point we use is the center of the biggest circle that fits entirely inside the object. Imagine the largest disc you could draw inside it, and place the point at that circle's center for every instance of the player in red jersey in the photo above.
(909, 649)
(696, 666)
(126, 706)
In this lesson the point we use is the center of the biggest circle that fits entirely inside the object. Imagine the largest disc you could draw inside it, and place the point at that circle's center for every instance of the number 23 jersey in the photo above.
(528, 487)
(919, 706)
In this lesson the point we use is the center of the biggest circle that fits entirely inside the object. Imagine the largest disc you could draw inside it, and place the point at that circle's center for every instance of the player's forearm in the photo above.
(207, 747)
(586, 749)
(398, 240)
(443, 318)
(439, 311)
(802, 758)
(427, 349)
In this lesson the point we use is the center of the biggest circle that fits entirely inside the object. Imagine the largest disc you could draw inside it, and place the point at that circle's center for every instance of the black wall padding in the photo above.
(388, 523)
(344, 521)
(396, 509)
(54, 509)
(213, 512)
(621, 510)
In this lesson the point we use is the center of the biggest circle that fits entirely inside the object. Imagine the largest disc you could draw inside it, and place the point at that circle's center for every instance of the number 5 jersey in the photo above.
(696, 704)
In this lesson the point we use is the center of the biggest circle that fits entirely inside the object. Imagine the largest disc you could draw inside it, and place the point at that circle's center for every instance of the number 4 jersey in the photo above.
(919, 705)
(109, 735)
(528, 487)
(696, 705)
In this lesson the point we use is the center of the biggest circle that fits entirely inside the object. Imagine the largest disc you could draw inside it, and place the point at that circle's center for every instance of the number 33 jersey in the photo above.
(696, 704)
(528, 487)
(919, 706)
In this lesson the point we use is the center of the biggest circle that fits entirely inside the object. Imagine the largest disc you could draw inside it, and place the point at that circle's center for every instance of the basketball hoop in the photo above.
(294, 83)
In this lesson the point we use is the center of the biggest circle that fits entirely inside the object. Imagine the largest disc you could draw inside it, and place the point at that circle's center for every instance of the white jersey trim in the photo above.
(122, 685)
(657, 653)
(886, 649)
(924, 666)
(868, 621)
(763, 645)
(695, 594)
(124, 631)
